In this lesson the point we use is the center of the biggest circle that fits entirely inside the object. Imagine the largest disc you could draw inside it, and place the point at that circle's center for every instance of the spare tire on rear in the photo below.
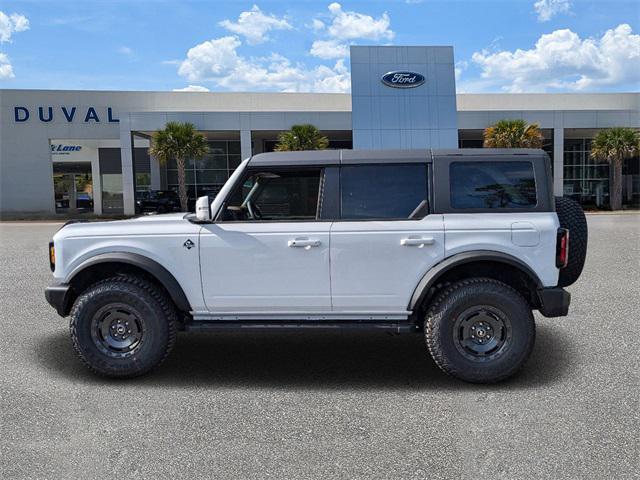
(571, 217)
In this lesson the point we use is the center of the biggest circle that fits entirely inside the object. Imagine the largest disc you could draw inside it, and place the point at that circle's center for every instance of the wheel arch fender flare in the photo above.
(153, 268)
(435, 273)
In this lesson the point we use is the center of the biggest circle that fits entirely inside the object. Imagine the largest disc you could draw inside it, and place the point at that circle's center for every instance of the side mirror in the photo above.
(203, 209)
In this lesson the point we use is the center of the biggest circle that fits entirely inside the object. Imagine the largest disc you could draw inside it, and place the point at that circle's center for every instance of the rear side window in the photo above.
(383, 191)
(492, 185)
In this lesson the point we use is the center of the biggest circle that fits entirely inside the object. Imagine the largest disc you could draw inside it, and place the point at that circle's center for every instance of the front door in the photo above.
(385, 241)
(268, 254)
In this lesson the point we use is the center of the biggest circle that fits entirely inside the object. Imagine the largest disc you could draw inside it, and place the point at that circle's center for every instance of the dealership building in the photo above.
(67, 151)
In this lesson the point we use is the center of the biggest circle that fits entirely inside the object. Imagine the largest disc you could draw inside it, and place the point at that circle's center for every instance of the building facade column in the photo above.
(96, 181)
(126, 157)
(245, 144)
(558, 161)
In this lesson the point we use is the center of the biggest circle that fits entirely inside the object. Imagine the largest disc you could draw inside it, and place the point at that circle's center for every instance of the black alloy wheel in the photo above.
(118, 330)
(482, 333)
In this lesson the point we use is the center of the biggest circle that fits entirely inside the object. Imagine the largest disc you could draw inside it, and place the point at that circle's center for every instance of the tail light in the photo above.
(52, 256)
(562, 248)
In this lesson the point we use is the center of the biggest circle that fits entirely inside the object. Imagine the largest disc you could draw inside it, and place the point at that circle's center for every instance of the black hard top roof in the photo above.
(346, 157)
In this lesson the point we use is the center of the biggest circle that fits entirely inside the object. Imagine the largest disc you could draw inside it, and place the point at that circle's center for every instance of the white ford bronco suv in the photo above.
(458, 245)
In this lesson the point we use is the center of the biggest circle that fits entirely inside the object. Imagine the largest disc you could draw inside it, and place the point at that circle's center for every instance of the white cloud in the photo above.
(327, 49)
(331, 80)
(10, 24)
(562, 60)
(547, 9)
(346, 26)
(128, 51)
(217, 61)
(353, 25)
(278, 73)
(460, 67)
(192, 88)
(210, 59)
(6, 70)
(254, 25)
(317, 25)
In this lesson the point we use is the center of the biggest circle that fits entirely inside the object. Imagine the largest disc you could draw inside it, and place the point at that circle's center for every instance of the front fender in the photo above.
(152, 267)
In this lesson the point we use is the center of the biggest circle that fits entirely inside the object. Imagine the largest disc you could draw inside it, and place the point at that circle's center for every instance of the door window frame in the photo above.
(524, 208)
(330, 192)
(541, 173)
(428, 185)
(326, 208)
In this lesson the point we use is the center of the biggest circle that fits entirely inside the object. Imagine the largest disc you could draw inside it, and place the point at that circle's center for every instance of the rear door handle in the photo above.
(417, 242)
(303, 243)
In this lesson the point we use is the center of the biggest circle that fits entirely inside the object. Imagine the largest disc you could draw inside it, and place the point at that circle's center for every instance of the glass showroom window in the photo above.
(208, 175)
(585, 179)
(112, 196)
(142, 169)
(143, 182)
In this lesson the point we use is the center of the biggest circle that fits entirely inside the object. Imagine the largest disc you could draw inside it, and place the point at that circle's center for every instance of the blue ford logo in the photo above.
(403, 79)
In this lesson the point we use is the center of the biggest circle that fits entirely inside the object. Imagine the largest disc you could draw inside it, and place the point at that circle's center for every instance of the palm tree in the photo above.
(615, 145)
(179, 141)
(301, 137)
(513, 134)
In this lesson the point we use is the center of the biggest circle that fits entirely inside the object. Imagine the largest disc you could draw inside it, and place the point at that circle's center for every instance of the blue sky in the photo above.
(500, 46)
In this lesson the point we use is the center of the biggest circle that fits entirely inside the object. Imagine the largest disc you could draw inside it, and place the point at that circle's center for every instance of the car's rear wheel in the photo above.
(479, 330)
(123, 326)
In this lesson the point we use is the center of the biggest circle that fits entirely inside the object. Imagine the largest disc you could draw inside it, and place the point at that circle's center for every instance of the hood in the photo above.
(162, 217)
(144, 225)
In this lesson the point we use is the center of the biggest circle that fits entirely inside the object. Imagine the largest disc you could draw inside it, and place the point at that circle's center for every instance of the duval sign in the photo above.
(67, 113)
(402, 79)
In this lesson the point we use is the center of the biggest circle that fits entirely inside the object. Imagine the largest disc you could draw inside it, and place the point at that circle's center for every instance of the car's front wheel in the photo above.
(123, 326)
(479, 330)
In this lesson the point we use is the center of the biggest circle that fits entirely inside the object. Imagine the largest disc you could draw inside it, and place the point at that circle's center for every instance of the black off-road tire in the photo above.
(571, 217)
(466, 305)
(108, 305)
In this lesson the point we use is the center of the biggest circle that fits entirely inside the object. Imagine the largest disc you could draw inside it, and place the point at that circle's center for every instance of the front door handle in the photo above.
(417, 242)
(303, 243)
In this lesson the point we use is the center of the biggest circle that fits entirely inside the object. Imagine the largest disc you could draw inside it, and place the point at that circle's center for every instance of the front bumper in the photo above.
(554, 302)
(58, 295)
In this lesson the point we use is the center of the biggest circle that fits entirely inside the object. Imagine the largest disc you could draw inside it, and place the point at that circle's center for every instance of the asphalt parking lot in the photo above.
(325, 405)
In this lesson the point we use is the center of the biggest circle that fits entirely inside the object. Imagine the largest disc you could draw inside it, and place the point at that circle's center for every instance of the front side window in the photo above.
(492, 185)
(275, 195)
(393, 191)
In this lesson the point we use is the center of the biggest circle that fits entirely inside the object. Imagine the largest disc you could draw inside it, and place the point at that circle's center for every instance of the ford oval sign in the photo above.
(403, 79)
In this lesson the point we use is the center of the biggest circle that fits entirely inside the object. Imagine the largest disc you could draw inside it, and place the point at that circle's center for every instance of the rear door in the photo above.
(385, 240)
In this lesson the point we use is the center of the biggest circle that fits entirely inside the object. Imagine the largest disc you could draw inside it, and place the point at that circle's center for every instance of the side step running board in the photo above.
(393, 327)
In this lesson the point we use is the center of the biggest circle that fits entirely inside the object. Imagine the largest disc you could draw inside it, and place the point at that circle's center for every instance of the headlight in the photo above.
(52, 256)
